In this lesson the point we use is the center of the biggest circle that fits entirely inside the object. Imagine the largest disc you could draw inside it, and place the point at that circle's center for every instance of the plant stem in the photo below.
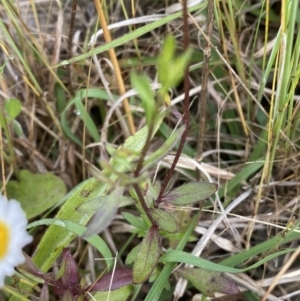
(185, 118)
(69, 47)
(143, 203)
(203, 93)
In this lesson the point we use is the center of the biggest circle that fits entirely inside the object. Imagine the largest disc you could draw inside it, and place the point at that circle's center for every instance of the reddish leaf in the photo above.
(208, 281)
(69, 268)
(64, 284)
(120, 278)
(147, 256)
(44, 292)
(190, 193)
(29, 267)
(67, 278)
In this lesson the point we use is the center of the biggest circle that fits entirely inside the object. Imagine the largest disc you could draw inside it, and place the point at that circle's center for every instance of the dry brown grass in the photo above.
(235, 119)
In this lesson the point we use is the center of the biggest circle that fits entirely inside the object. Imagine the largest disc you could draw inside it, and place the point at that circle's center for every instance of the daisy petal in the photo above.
(13, 236)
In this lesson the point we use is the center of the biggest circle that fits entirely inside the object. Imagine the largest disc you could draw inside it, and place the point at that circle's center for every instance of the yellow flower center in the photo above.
(4, 239)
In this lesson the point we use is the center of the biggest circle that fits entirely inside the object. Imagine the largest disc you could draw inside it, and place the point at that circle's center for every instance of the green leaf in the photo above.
(53, 240)
(17, 128)
(174, 238)
(190, 193)
(208, 282)
(163, 277)
(135, 221)
(142, 85)
(179, 65)
(60, 95)
(171, 69)
(261, 248)
(131, 255)
(122, 293)
(85, 116)
(36, 192)
(183, 257)
(147, 256)
(77, 100)
(165, 59)
(152, 192)
(121, 156)
(164, 220)
(105, 213)
(13, 107)
(96, 241)
(183, 220)
(93, 205)
(164, 149)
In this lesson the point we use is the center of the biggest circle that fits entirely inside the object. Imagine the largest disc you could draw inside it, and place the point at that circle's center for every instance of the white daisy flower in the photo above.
(13, 236)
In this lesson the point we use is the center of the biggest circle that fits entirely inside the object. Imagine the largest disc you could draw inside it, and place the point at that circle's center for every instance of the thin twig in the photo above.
(143, 203)
(203, 93)
(70, 41)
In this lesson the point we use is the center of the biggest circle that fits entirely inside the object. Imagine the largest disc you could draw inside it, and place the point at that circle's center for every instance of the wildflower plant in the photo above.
(251, 132)
(124, 181)
(13, 236)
